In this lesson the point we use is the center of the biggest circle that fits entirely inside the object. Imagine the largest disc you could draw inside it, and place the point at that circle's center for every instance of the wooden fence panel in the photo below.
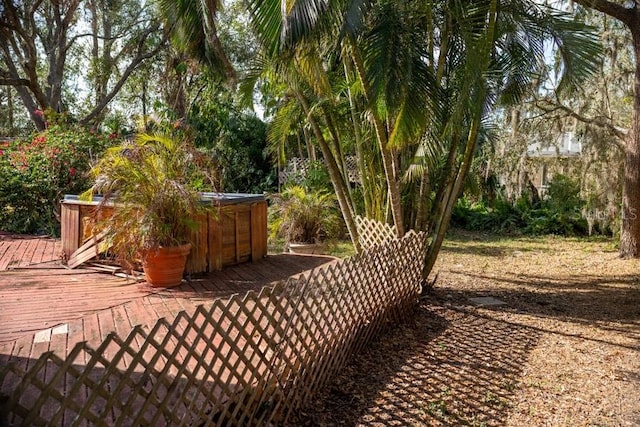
(248, 360)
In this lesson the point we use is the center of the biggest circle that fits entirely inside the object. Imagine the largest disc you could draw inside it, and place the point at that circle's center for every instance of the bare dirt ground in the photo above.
(563, 349)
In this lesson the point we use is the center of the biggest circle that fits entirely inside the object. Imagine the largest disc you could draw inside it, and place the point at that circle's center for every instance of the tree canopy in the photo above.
(412, 91)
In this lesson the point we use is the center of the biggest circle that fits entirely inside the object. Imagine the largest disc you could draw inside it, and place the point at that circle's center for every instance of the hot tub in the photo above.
(235, 232)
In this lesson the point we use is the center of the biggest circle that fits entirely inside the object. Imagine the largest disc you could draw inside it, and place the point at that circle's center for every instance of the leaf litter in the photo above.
(563, 349)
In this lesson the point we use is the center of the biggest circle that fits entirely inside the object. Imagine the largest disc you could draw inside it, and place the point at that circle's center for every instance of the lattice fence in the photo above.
(249, 360)
(373, 233)
(297, 168)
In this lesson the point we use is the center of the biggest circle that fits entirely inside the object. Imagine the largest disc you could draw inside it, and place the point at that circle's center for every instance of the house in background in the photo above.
(549, 158)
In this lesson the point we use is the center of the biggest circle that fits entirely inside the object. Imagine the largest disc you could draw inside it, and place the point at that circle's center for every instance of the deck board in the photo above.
(37, 293)
(46, 307)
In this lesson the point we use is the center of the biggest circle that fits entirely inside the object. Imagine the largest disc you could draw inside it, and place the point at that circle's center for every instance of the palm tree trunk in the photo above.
(311, 150)
(423, 197)
(373, 199)
(388, 161)
(334, 172)
(339, 154)
(10, 110)
(452, 193)
(454, 189)
(357, 135)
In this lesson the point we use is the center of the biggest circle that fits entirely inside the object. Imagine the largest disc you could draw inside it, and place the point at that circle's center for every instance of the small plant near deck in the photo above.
(302, 216)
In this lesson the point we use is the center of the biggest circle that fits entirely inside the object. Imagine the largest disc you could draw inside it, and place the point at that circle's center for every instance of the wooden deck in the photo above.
(45, 307)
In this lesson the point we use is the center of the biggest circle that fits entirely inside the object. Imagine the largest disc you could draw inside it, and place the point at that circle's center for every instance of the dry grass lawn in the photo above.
(563, 349)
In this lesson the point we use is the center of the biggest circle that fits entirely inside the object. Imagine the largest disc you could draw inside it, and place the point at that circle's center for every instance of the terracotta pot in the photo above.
(164, 268)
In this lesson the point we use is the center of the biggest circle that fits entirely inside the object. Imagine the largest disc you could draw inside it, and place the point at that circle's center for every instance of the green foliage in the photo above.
(560, 213)
(151, 180)
(314, 178)
(317, 177)
(563, 195)
(238, 140)
(36, 173)
(502, 217)
(302, 216)
(193, 29)
(117, 123)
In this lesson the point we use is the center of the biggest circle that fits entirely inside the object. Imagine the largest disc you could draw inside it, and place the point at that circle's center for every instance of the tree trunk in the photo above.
(630, 233)
(388, 155)
(95, 45)
(372, 197)
(56, 50)
(311, 149)
(31, 106)
(144, 103)
(339, 154)
(453, 193)
(300, 153)
(423, 197)
(334, 173)
(10, 107)
(630, 230)
(454, 188)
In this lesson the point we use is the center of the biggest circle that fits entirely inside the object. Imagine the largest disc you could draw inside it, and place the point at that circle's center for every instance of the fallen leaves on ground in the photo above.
(563, 349)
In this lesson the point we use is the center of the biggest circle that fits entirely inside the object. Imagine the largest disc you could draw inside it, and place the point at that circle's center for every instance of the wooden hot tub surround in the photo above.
(233, 232)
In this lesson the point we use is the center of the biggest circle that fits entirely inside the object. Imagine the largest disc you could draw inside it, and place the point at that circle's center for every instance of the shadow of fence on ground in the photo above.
(448, 368)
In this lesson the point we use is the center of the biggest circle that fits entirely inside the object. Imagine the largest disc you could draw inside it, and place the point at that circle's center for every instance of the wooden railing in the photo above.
(247, 360)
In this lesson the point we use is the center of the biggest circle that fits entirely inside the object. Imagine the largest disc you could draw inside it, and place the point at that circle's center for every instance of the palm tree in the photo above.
(391, 116)
(193, 28)
(432, 73)
(307, 82)
(498, 48)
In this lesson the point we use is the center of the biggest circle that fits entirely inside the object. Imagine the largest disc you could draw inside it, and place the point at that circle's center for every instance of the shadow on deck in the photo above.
(40, 299)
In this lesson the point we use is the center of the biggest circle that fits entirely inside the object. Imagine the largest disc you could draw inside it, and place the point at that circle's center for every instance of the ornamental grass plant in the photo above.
(299, 215)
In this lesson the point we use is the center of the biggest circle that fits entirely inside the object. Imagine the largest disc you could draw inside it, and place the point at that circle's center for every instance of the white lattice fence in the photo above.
(297, 168)
(353, 173)
(244, 361)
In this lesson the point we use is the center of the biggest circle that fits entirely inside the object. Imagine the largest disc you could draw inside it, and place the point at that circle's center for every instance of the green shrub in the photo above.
(563, 195)
(561, 210)
(237, 140)
(302, 216)
(502, 217)
(317, 177)
(559, 213)
(36, 173)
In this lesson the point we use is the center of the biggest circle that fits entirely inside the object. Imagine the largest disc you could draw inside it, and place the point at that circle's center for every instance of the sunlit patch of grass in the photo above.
(457, 238)
(340, 248)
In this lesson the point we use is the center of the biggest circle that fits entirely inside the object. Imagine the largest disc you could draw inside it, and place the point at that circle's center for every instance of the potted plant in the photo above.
(304, 219)
(149, 189)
